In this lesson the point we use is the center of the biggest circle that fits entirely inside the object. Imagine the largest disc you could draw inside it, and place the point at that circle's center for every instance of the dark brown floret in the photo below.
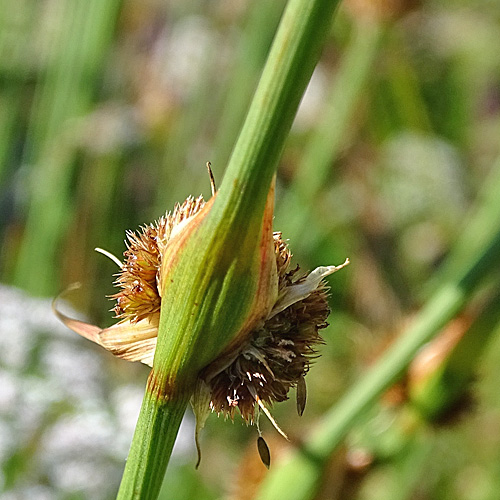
(276, 356)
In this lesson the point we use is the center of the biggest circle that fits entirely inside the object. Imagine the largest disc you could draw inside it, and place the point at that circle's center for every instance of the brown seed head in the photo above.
(138, 279)
(270, 355)
(277, 354)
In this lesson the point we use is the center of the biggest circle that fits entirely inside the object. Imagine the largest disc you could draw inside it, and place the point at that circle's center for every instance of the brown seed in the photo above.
(265, 454)
(301, 395)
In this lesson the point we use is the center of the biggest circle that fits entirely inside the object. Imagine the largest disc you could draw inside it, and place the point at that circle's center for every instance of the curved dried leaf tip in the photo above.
(270, 355)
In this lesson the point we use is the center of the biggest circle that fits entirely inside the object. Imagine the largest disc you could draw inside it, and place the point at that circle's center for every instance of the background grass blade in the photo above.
(64, 96)
(298, 477)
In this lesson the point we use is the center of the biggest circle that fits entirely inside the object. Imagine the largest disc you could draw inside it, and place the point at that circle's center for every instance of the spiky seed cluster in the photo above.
(138, 279)
(275, 356)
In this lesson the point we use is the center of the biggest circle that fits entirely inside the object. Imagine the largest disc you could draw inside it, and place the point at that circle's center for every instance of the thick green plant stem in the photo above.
(293, 56)
(298, 477)
(211, 284)
(146, 464)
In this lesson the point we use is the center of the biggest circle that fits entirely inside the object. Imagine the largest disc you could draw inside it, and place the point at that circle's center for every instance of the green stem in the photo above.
(204, 299)
(158, 424)
(438, 312)
(293, 56)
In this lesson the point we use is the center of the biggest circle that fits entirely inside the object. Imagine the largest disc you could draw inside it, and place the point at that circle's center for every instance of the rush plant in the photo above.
(206, 294)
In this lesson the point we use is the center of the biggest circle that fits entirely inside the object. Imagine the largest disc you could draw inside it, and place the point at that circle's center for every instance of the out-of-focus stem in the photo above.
(297, 478)
(327, 138)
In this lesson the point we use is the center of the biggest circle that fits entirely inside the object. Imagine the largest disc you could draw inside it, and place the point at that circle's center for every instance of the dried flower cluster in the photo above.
(139, 278)
(277, 354)
(274, 355)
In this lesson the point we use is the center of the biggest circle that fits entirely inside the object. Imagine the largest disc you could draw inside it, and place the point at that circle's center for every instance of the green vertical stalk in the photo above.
(292, 59)
(144, 461)
(207, 292)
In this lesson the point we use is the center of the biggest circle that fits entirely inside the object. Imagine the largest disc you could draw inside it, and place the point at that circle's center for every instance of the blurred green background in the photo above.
(109, 110)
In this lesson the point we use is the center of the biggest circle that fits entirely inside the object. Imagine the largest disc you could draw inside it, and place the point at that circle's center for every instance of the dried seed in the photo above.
(265, 454)
(301, 395)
